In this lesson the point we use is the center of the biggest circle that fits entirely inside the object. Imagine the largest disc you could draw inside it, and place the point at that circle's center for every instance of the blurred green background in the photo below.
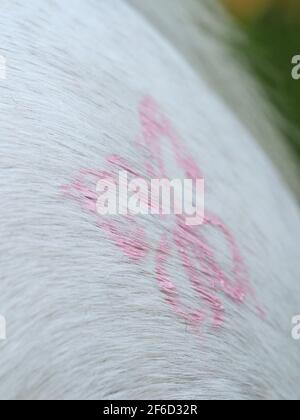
(272, 29)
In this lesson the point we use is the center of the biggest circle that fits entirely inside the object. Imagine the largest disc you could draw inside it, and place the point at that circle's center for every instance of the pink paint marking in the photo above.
(155, 127)
(132, 240)
(191, 245)
(122, 164)
(169, 290)
(197, 283)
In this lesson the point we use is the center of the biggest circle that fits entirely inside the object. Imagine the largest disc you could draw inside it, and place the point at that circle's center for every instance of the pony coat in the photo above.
(88, 315)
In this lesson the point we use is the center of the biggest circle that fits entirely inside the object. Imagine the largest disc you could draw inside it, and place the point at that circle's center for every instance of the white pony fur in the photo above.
(83, 320)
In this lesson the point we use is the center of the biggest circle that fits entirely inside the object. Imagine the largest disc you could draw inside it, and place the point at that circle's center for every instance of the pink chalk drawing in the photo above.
(197, 256)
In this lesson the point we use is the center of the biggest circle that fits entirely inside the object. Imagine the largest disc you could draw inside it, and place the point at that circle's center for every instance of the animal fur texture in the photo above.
(84, 321)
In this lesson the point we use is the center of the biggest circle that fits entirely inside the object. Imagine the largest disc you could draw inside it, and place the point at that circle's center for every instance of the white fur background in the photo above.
(82, 320)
